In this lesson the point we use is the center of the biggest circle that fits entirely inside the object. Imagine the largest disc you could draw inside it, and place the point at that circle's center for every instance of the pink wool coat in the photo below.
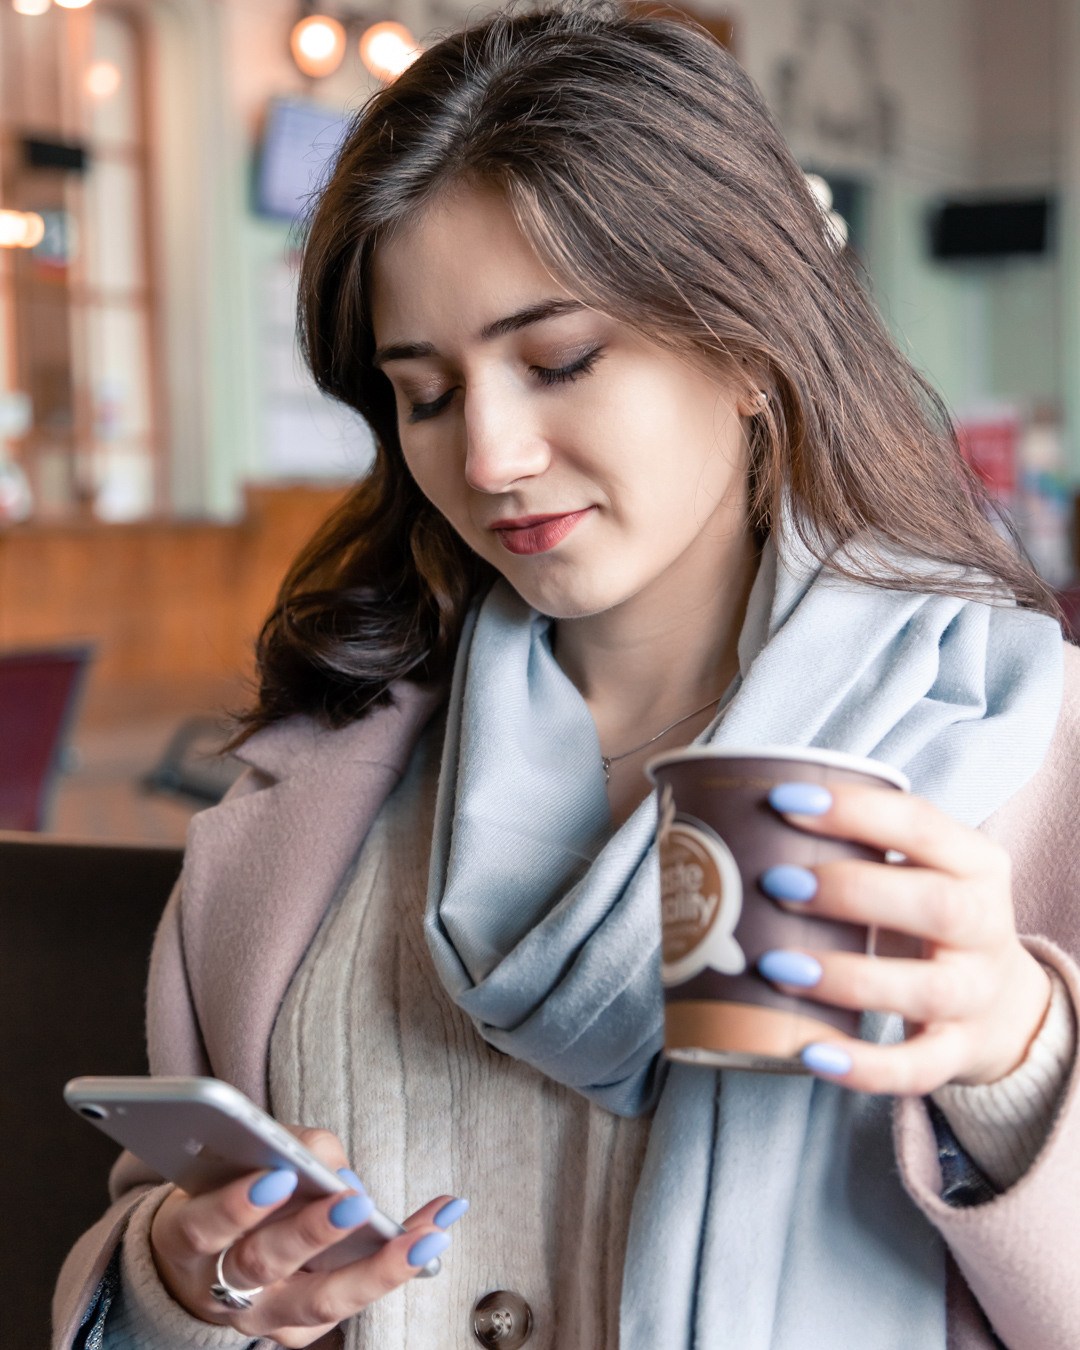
(262, 867)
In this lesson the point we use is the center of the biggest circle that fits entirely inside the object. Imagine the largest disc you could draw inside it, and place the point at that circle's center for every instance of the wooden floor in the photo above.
(115, 744)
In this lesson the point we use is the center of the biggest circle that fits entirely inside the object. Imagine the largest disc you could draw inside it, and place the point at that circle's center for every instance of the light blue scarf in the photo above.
(769, 1215)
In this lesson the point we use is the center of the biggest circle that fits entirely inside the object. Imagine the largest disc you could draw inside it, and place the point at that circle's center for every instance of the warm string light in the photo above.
(21, 229)
(102, 80)
(318, 45)
(35, 230)
(388, 49)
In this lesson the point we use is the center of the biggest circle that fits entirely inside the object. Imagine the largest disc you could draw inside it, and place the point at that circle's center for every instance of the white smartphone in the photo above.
(201, 1133)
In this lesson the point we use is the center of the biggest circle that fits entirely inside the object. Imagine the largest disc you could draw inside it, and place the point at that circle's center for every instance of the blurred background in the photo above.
(162, 453)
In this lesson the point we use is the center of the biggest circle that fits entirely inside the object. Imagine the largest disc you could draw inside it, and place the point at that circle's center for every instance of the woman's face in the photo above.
(589, 466)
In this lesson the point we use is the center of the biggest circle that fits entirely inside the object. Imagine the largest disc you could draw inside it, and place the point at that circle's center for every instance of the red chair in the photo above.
(39, 695)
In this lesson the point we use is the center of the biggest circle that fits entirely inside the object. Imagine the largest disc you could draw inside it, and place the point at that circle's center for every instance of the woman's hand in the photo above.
(975, 1000)
(295, 1307)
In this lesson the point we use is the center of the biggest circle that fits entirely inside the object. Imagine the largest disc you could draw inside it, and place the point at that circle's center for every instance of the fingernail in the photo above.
(351, 1179)
(451, 1212)
(275, 1186)
(351, 1211)
(787, 882)
(824, 1058)
(800, 799)
(434, 1244)
(790, 968)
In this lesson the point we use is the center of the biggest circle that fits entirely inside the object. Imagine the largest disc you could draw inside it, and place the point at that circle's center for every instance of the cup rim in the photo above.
(836, 759)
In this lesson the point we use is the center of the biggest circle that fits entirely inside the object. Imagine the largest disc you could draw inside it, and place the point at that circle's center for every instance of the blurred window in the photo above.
(76, 311)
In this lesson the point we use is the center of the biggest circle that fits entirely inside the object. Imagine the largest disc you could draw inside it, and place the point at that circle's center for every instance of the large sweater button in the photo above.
(502, 1318)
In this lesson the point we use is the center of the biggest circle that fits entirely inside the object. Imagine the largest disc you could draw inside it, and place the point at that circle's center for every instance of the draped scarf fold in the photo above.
(769, 1214)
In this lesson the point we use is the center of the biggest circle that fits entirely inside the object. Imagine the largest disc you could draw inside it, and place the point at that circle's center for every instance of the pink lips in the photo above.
(536, 534)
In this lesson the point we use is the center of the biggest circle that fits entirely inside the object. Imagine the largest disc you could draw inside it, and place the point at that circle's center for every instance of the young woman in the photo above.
(649, 470)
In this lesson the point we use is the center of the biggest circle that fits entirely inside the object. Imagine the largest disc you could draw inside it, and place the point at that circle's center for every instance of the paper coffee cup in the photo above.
(717, 836)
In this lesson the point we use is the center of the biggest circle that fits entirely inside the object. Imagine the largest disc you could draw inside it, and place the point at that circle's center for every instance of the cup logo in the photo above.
(700, 900)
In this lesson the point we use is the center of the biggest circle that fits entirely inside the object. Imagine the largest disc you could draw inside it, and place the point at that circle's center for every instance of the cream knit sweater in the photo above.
(375, 1050)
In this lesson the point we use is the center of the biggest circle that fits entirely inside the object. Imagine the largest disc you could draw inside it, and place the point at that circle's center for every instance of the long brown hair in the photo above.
(643, 166)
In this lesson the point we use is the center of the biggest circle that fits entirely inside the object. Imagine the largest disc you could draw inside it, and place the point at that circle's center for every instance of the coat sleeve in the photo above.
(1019, 1252)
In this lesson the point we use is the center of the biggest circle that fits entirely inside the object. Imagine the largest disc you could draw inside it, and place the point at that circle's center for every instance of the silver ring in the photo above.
(237, 1299)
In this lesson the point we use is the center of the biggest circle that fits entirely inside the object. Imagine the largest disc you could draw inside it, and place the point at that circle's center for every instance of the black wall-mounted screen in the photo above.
(991, 229)
(66, 155)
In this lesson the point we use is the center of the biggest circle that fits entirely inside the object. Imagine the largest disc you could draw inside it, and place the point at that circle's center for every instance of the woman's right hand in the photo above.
(295, 1306)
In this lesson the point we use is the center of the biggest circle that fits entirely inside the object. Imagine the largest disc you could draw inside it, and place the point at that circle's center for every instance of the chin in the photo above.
(568, 602)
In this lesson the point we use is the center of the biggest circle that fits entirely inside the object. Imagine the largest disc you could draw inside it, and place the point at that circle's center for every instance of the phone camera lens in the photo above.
(93, 1112)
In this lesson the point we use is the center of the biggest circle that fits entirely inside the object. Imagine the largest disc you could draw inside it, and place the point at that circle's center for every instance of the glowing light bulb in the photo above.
(73, 4)
(34, 229)
(31, 6)
(387, 49)
(102, 80)
(318, 45)
(21, 229)
(12, 229)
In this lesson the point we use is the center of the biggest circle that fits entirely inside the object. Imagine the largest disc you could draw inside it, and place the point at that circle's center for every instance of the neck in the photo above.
(663, 653)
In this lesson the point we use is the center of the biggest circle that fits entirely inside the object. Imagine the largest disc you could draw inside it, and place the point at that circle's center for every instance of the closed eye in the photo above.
(564, 374)
(421, 412)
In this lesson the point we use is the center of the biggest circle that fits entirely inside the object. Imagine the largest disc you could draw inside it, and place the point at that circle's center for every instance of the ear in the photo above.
(755, 386)
(753, 402)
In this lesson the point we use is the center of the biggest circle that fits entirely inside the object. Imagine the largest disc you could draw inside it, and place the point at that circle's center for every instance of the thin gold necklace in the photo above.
(609, 760)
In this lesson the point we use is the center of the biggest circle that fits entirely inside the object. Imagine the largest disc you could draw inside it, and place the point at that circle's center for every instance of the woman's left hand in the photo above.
(975, 1000)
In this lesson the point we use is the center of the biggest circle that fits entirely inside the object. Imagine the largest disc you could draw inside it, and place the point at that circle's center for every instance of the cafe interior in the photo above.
(163, 454)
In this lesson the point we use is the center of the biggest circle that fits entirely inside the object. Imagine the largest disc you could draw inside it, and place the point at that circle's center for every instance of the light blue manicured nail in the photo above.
(434, 1244)
(787, 882)
(451, 1212)
(790, 968)
(275, 1186)
(350, 1178)
(824, 1058)
(351, 1211)
(801, 799)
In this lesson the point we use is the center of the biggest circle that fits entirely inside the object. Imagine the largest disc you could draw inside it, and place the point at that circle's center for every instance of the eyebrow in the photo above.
(512, 323)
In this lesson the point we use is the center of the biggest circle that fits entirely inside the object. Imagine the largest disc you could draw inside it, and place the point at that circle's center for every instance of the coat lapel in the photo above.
(263, 866)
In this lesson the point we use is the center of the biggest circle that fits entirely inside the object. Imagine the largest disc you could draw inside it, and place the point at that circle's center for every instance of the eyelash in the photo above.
(421, 412)
(582, 366)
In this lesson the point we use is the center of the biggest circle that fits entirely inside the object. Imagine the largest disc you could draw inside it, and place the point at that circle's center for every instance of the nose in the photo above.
(503, 442)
